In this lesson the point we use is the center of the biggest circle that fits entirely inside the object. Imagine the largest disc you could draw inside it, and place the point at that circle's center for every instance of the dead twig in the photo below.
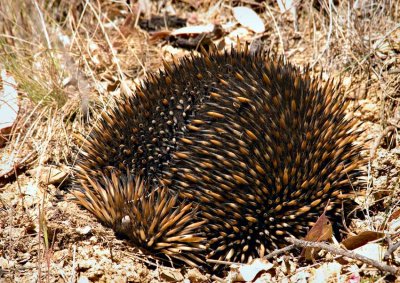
(280, 251)
(223, 262)
(391, 248)
(378, 140)
(339, 251)
(268, 256)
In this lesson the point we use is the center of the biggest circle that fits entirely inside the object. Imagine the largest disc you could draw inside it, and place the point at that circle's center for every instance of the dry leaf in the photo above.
(249, 271)
(321, 231)
(158, 35)
(8, 104)
(395, 215)
(9, 163)
(49, 174)
(394, 225)
(249, 19)
(361, 239)
(194, 29)
(372, 250)
(83, 279)
(6, 165)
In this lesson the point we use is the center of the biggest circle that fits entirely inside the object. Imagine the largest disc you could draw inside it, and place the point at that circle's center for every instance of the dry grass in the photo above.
(70, 58)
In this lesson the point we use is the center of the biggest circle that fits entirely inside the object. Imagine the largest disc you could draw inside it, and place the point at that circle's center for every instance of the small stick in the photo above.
(223, 262)
(391, 248)
(268, 256)
(280, 251)
(378, 140)
(338, 251)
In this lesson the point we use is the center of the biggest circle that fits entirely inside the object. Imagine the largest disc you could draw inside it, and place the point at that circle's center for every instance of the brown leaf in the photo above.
(354, 242)
(321, 231)
(395, 215)
(159, 35)
(49, 174)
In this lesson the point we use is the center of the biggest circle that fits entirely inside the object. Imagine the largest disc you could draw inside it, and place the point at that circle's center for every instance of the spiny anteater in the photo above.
(152, 219)
(257, 145)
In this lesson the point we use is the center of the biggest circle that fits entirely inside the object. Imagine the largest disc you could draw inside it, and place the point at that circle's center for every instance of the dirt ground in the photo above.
(71, 59)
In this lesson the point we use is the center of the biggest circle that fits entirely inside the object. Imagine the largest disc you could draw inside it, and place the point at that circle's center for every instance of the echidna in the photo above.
(255, 145)
(152, 219)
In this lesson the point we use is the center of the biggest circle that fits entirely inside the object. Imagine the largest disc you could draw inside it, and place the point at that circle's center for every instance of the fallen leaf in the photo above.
(395, 215)
(250, 271)
(249, 19)
(194, 29)
(9, 163)
(372, 250)
(354, 242)
(321, 231)
(394, 225)
(158, 35)
(6, 165)
(8, 105)
(83, 279)
(49, 174)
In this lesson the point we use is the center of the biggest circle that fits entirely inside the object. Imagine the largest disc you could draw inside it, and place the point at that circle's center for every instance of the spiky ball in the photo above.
(257, 144)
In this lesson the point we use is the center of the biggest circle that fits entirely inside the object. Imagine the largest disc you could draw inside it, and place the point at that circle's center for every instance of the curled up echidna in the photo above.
(220, 156)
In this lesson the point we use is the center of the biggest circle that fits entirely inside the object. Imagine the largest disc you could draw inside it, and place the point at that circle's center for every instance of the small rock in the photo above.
(87, 264)
(6, 264)
(171, 275)
(84, 230)
(59, 255)
(347, 82)
(93, 240)
(195, 276)
(369, 110)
